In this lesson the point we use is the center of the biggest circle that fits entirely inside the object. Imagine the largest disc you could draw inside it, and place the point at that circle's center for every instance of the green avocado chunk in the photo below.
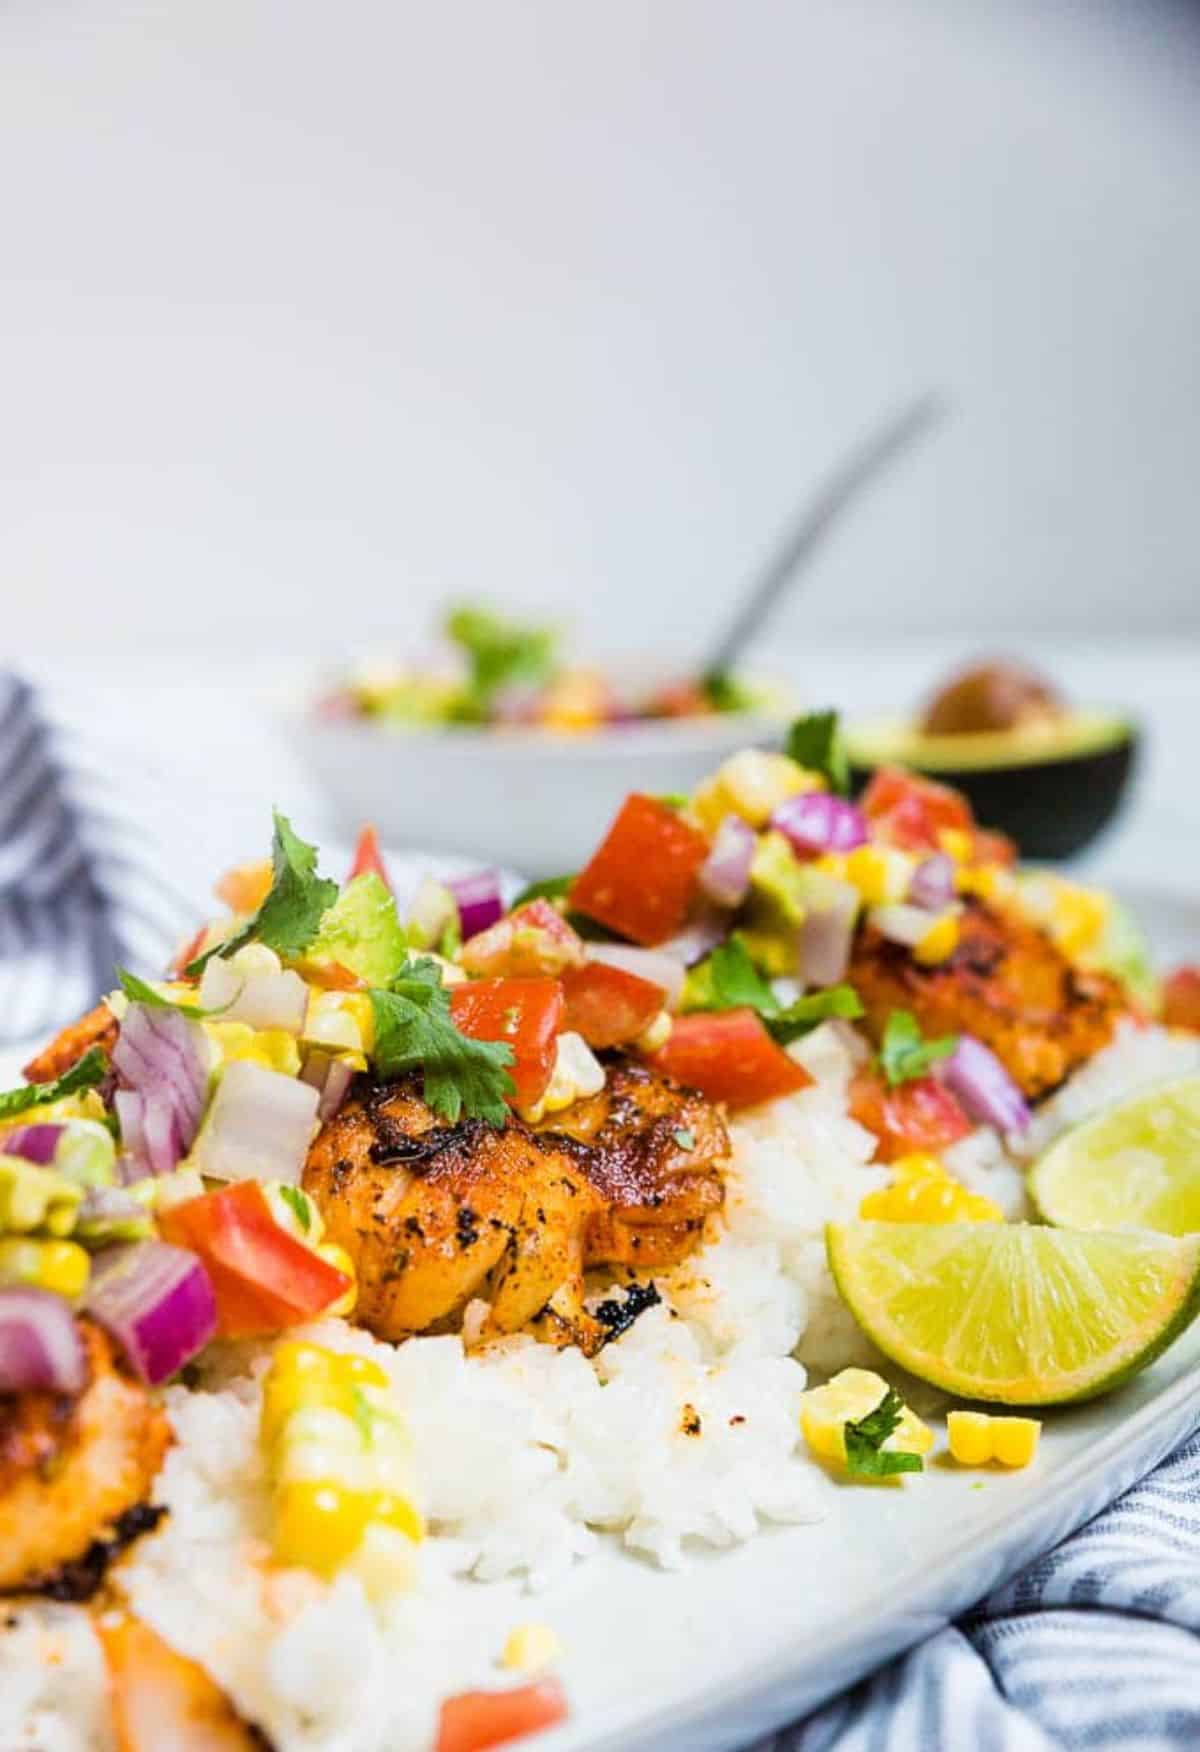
(362, 932)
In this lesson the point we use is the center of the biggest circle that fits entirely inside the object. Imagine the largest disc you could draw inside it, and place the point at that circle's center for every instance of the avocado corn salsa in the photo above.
(396, 1242)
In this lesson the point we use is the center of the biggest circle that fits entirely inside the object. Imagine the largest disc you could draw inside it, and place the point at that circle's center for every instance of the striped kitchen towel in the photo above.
(80, 888)
(1094, 1646)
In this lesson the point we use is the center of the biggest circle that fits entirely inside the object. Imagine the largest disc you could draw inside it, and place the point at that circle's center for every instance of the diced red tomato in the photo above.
(641, 879)
(1181, 999)
(475, 1720)
(189, 952)
(524, 1013)
(368, 858)
(160, 1699)
(331, 976)
(534, 939)
(244, 888)
(908, 811)
(994, 848)
(608, 1006)
(921, 1115)
(263, 1278)
(730, 1057)
(681, 699)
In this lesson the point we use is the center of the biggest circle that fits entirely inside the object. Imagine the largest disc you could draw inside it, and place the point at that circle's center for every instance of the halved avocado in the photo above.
(1053, 783)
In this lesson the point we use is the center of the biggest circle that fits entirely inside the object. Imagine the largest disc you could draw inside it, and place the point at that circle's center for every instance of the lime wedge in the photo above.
(1016, 1314)
(1136, 1165)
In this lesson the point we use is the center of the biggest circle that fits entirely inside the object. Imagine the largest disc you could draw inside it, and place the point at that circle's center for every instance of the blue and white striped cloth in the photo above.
(80, 888)
(1095, 1646)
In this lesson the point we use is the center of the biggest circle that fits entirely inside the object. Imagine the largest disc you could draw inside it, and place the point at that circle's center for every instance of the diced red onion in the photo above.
(330, 1077)
(901, 924)
(932, 884)
(725, 874)
(699, 937)
(827, 934)
(984, 1087)
(261, 1000)
(34, 1143)
(655, 965)
(258, 1127)
(40, 1346)
(434, 910)
(162, 1059)
(816, 822)
(157, 1303)
(478, 899)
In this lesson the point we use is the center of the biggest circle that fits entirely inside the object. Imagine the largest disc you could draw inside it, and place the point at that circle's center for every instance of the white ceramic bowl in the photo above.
(531, 799)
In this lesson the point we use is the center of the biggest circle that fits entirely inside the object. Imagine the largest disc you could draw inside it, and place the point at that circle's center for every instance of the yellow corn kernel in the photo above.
(530, 1647)
(976, 1438)
(390, 1509)
(880, 873)
(61, 1266)
(292, 1356)
(273, 1048)
(655, 1034)
(361, 1371)
(979, 879)
(751, 784)
(577, 699)
(970, 1436)
(939, 942)
(1015, 1439)
(337, 1256)
(825, 1412)
(831, 864)
(384, 1562)
(318, 1524)
(921, 1191)
(956, 842)
(1080, 918)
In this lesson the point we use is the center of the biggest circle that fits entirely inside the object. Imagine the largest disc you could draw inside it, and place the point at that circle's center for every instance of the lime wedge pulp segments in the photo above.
(1016, 1314)
(1136, 1165)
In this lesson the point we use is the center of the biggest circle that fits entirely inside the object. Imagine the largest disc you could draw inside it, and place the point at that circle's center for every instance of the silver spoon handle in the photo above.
(865, 463)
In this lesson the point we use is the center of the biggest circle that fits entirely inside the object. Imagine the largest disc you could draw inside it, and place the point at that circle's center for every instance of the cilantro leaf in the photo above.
(414, 1031)
(550, 888)
(138, 992)
(866, 1456)
(499, 653)
(905, 1054)
(728, 980)
(290, 917)
(297, 1203)
(725, 693)
(811, 1010)
(85, 1073)
(815, 742)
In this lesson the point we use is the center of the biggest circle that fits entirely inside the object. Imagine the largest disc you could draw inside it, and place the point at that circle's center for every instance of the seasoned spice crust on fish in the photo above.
(1006, 983)
(72, 1469)
(433, 1215)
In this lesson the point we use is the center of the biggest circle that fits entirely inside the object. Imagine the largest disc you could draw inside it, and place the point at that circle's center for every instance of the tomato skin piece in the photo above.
(262, 1277)
(524, 1013)
(609, 1006)
(1181, 999)
(730, 1057)
(920, 1115)
(472, 1721)
(368, 859)
(908, 811)
(533, 940)
(640, 880)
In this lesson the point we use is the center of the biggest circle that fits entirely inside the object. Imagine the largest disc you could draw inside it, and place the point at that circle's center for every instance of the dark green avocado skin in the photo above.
(1054, 808)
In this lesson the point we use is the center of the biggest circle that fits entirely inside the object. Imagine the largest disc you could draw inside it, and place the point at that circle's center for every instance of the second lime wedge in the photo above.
(1135, 1165)
(1016, 1314)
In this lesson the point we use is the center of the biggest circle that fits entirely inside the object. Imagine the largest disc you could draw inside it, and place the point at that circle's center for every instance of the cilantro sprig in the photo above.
(904, 1052)
(290, 916)
(816, 743)
(549, 888)
(85, 1073)
(499, 653)
(414, 1031)
(728, 980)
(866, 1456)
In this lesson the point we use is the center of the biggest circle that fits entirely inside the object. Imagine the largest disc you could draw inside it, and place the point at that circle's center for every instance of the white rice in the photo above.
(526, 1457)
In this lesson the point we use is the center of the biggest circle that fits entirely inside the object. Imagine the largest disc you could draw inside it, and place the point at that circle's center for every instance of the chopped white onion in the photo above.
(725, 874)
(261, 1000)
(258, 1126)
(827, 934)
(655, 965)
(901, 924)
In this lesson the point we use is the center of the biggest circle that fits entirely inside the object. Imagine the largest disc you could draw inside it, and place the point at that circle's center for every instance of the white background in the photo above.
(310, 314)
